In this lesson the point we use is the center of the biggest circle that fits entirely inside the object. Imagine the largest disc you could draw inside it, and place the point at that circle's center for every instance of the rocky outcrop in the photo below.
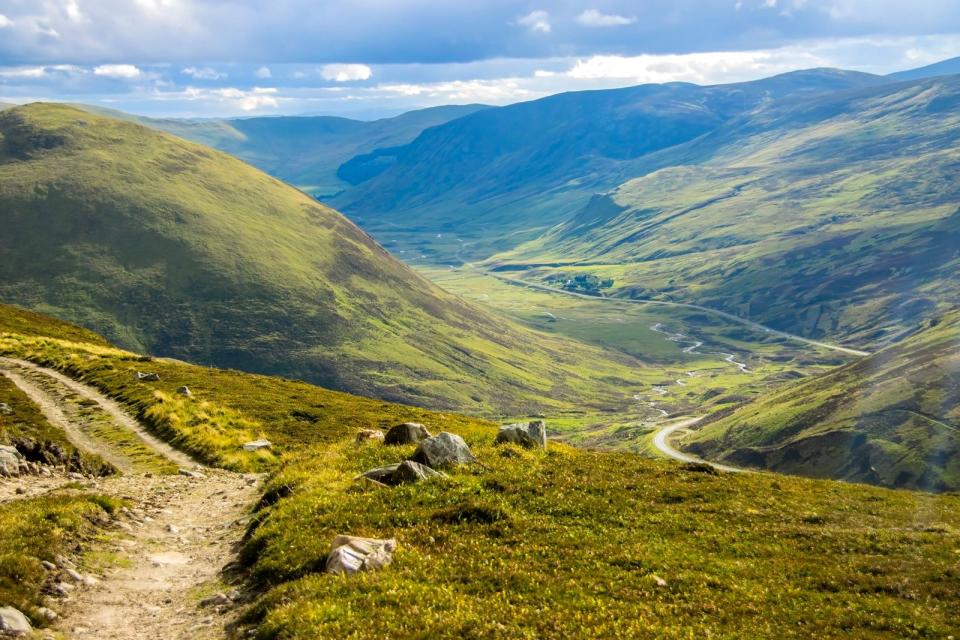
(443, 450)
(349, 554)
(526, 434)
(405, 472)
(407, 433)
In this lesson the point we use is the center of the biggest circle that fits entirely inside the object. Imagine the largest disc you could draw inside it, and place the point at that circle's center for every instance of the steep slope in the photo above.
(891, 419)
(307, 151)
(834, 215)
(514, 171)
(172, 248)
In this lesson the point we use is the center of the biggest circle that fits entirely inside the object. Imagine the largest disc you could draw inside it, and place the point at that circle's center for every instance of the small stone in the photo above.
(49, 566)
(147, 377)
(5, 409)
(368, 435)
(660, 582)
(20, 491)
(13, 622)
(215, 600)
(75, 575)
(192, 474)
(406, 433)
(350, 554)
(185, 391)
(47, 614)
(257, 445)
(172, 529)
(62, 589)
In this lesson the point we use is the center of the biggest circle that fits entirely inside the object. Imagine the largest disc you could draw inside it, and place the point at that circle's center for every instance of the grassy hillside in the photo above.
(891, 419)
(557, 543)
(833, 215)
(307, 151)
(168, 247)
(500, 176)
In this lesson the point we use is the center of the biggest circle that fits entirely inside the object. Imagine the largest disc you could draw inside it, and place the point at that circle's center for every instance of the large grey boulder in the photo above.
(405, 472)
(11, 462)
(443, 450)
(406, 433)
(349, 554)
(13, 623)
(526, 434)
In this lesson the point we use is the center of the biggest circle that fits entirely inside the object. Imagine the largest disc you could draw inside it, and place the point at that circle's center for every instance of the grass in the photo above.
(28, 429)
(889, 419)
(43, 528)
(563, 542)
(832, 217)
(170, 248)
(570, 543)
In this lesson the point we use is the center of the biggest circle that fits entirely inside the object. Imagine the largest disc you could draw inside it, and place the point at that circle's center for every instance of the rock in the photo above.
(406, 433)
(660, 582)
(366, 435)
(49, 566)
(62, 589)
(172, 529)
(11, 461)
(13, 623)
(526, 434)
(47, 614)
(191, 474)
(147, 377)
(349, 554)
(75, 575)
(443, 450)
(403, 473)
(216, 600)
(257, 445)
(5, 409)
(185, 391)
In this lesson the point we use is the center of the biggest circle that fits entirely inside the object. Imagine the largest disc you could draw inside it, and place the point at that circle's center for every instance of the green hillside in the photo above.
(828, 216)
(529, 543)
(306, 151)
(891, 419)
(172, 248)
(501, 176)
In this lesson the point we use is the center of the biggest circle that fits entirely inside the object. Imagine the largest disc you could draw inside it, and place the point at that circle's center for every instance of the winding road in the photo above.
(662, 442)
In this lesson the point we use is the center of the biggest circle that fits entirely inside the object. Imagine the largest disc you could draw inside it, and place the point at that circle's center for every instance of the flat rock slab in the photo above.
(350, 554)
(405, 472)
(13, 622)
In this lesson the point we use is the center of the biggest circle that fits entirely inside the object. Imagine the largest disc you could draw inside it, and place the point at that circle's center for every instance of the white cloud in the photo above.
(593, 18)
(346, 72)
(74, 14)
(41, 71)
(542, 73)
(252, 100)
(203, 73)
(5, 21)
(119, 71)
(536, 21)
(24, 72)
(263, 73)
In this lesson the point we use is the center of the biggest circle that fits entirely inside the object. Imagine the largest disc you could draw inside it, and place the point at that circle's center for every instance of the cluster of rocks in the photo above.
(64, 579)
(350, 554)
(13, 464)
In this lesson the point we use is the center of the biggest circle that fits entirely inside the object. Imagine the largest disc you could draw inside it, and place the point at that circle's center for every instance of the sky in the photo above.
(374, 58)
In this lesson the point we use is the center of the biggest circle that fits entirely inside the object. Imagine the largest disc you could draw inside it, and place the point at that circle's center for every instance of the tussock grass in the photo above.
(38, 529)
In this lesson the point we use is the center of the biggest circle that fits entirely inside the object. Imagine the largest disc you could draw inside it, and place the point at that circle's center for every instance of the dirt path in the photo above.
(182, 532)
(178, 534)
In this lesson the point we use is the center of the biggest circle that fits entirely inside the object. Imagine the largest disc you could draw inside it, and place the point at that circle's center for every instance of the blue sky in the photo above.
(368, 58)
